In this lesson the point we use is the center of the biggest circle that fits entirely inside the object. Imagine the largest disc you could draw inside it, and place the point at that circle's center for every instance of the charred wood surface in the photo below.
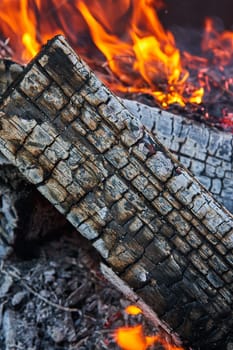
(151, 221)
(207, 152)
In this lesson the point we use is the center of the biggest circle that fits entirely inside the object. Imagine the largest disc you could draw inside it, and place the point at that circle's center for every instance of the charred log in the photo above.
(207, 152)
(148, 217)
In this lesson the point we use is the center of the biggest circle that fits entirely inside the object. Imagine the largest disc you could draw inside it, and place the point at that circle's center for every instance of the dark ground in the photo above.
(59, 300)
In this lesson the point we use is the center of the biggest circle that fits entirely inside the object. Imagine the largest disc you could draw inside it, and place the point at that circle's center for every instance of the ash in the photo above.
(59, 300)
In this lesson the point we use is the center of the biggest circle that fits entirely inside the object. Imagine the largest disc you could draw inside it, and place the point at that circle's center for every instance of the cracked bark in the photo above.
(148, 217)
(207, 152)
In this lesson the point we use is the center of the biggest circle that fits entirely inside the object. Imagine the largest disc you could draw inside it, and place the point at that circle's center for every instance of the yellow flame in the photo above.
(133, 310)
(141, 54)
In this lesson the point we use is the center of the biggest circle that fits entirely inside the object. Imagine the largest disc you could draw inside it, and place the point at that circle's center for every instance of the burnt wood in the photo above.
(147, 216)
(206, 151)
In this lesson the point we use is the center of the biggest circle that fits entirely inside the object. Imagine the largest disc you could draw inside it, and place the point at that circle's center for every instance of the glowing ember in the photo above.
(133, 310)
(125, 39)
(134, 338)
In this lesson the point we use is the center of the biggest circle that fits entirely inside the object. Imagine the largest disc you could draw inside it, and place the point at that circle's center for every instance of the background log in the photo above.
(153, 223)
(207, 152)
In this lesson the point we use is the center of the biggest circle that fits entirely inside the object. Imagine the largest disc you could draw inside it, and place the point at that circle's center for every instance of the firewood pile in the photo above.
(114, 180)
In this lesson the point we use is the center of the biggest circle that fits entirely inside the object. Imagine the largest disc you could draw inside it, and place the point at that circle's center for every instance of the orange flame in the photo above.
(141, 54)
(133, 337)
(133, 310)
(151, 53)
(126, 38)
(18, 21)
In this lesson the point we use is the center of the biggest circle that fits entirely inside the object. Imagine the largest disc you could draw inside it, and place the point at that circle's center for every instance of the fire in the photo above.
(19, 23)
(128, 45)
(151, 52)
(23, 23)
(134, 338)
(133, 310)
(140, 53)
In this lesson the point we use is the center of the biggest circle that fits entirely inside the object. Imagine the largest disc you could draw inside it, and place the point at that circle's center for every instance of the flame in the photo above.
(23, 23)
(151, 53)
(133, 310)
(127, 43)
(19, 23)
(140, 53)
(133, 337)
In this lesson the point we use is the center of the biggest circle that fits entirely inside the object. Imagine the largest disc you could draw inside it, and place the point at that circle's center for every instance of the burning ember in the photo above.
(133, 337)
(125, 41)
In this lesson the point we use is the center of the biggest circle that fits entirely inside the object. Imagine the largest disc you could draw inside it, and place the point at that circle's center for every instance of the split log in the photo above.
(206, 151)
(148, 217)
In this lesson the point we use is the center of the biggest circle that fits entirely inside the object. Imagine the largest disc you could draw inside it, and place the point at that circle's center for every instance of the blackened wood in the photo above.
(151, 221)
(206, 151)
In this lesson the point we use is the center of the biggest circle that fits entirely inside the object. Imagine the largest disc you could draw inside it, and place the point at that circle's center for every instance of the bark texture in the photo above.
(151, 221)
(206, 152)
